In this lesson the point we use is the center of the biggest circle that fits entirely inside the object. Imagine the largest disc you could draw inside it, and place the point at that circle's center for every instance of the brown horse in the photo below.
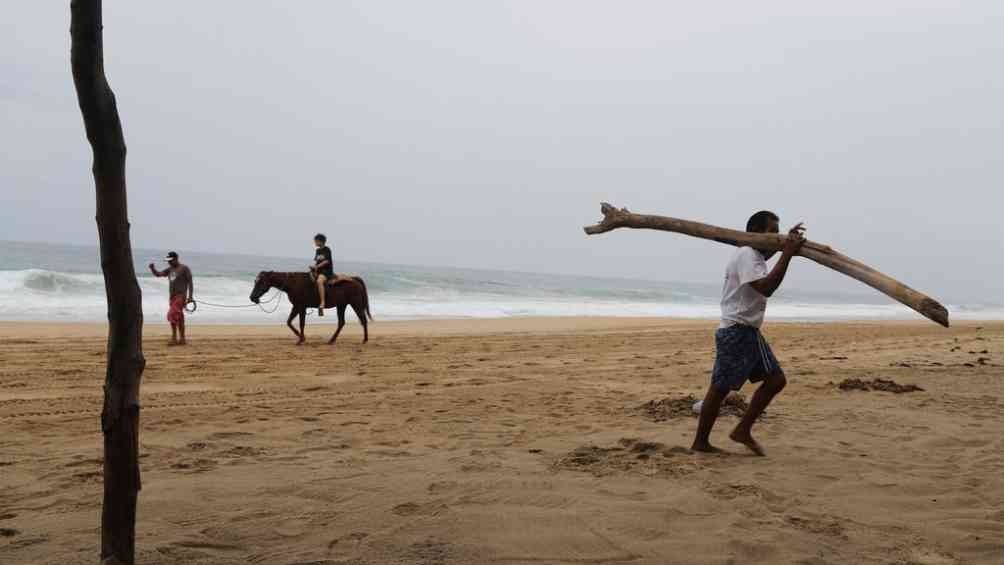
(302, 293)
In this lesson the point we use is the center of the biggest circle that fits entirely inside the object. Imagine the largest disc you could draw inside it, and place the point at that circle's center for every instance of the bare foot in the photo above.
(182, 342)
(172, 343)
(747, 440)
(704, 447)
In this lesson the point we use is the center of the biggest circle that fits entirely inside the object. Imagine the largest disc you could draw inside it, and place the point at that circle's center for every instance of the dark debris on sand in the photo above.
(883, 385)
(628, 455)
(667, 408)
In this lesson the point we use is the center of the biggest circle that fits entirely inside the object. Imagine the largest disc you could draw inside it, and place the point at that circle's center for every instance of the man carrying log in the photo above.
(742, 353)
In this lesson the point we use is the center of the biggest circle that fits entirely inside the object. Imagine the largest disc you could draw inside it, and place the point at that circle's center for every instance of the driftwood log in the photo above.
(614, 218)
(125, 362)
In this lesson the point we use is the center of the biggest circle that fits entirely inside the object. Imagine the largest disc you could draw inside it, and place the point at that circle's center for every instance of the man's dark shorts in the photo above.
(742, 354)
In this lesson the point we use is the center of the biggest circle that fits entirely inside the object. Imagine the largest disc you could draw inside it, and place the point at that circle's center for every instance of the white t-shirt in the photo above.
(741, 303)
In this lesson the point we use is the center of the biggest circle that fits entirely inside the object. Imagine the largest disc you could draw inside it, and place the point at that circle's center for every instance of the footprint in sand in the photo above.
(734, 491)
(818, 525)
(441, 486)
(411, 509)
(406, 509)
(428, 552)
(242, 451)
(89, 477)
(90, 462)
(354, 537)
(228, 435)
(195, 466)
(292, 528)
(930, 557)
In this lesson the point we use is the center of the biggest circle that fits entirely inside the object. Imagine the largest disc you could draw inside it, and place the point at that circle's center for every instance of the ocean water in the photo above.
(45, 282)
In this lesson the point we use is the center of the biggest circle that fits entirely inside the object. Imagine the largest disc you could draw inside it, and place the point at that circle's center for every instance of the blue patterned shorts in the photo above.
(742, 354)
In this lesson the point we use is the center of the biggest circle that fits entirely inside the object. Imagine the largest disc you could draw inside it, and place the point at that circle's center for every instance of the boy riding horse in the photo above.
(323, 269)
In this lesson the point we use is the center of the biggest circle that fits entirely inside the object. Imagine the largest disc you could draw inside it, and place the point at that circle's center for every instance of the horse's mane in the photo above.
(281, 279)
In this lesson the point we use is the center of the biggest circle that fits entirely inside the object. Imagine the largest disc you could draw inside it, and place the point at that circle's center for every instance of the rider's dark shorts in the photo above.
(742, 354)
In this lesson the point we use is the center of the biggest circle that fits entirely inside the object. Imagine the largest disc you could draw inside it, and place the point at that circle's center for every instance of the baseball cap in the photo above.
(171, 256)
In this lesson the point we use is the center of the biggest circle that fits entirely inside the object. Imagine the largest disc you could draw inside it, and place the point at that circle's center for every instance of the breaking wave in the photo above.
(429, 293)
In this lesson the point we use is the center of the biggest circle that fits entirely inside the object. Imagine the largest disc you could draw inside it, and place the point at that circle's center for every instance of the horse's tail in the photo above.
(366, 297)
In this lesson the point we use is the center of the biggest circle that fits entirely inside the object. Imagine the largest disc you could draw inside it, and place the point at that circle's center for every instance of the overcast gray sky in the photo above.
(485, 134)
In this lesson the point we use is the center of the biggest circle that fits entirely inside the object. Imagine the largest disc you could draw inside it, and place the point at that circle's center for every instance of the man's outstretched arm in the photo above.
(157, 273)
(768, 285)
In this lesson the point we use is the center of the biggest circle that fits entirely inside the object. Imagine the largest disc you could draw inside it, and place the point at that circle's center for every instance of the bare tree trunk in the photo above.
(614, 218)
(120, 415)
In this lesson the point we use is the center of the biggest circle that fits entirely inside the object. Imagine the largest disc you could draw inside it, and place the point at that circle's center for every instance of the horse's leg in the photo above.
(289, 322)
(303, 321)
(361, 314)
(341, 324)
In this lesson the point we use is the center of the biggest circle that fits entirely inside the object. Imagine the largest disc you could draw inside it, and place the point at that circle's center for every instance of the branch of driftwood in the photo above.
(614, 218)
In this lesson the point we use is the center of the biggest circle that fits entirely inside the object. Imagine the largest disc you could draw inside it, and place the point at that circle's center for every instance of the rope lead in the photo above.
(277, 298)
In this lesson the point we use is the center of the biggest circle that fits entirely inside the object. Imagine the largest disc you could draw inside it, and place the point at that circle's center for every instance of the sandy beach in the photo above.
(510, 441)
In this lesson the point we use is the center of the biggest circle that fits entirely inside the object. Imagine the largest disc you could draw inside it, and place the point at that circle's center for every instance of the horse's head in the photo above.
(262, 283)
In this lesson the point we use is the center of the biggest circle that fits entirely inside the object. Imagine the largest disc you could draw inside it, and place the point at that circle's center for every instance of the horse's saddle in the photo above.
(339, 279)
(336, 279)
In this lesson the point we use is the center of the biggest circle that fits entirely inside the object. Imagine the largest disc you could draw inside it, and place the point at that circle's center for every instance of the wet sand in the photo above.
(511, 441)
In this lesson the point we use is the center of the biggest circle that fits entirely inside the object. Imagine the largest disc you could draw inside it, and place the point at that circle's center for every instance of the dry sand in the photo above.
(510, 441)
